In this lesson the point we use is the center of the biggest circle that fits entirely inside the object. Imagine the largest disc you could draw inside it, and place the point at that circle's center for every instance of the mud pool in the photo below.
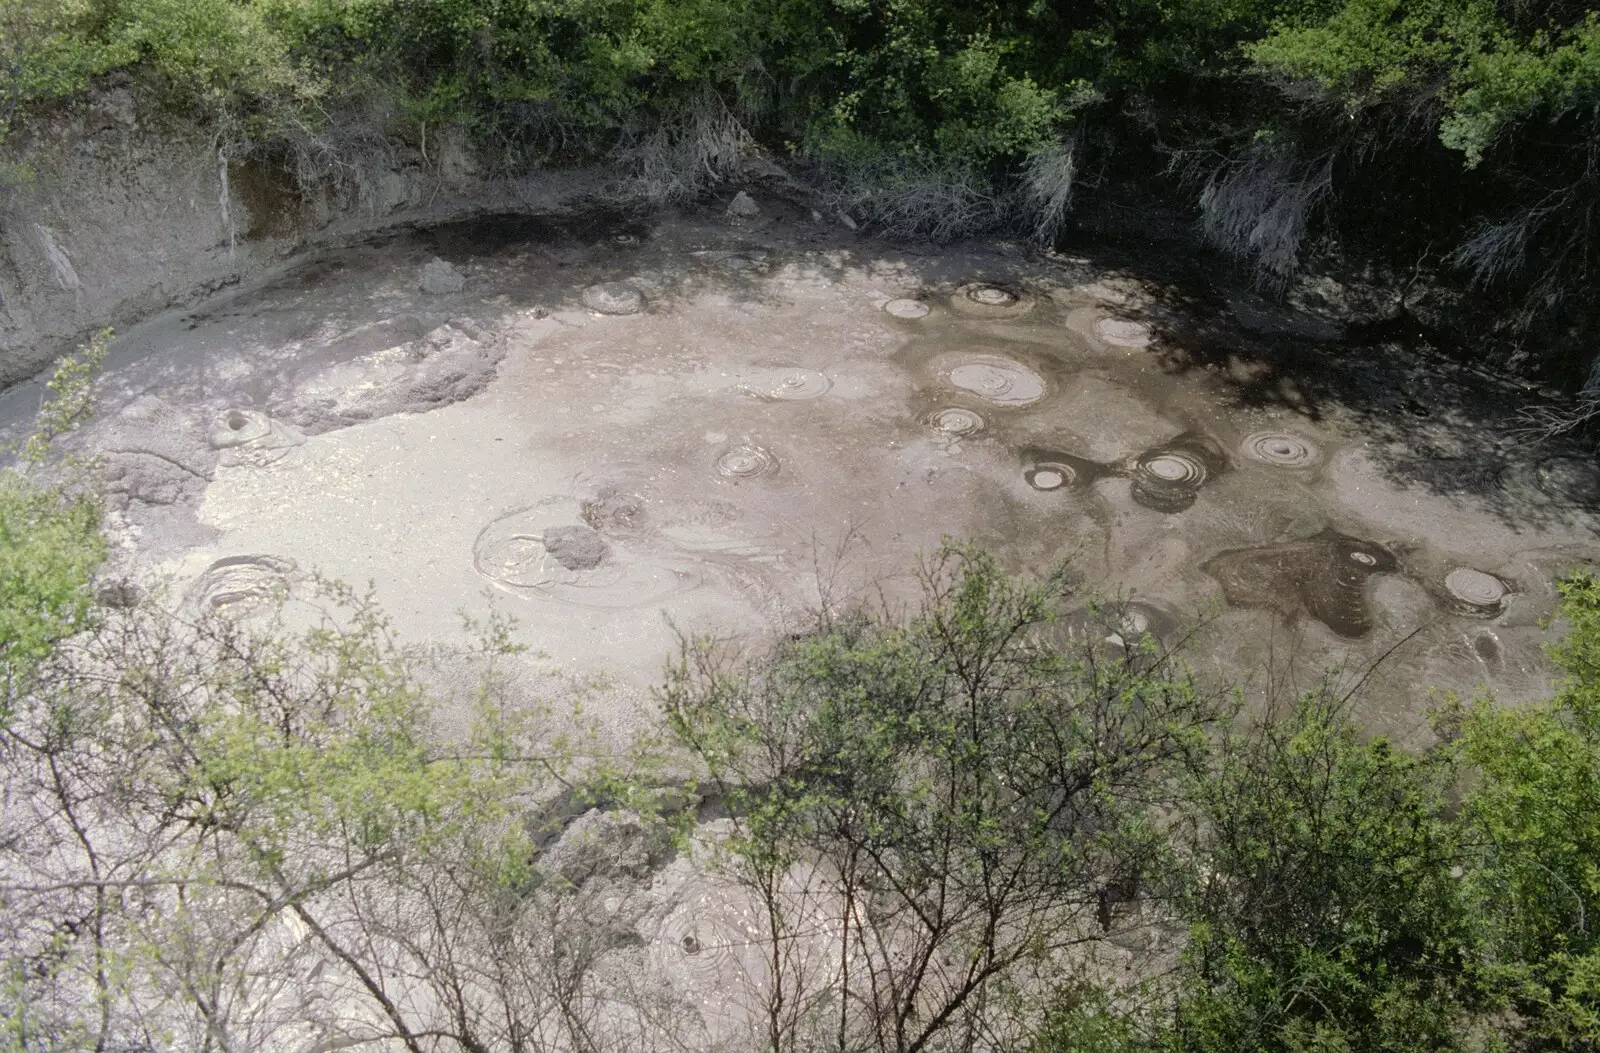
(613, 430)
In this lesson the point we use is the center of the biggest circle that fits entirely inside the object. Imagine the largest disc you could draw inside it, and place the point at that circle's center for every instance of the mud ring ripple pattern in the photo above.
(956, 422)
(994, 378)
(1280, 449)
(1123, 332)
(746, 461)
(787, 384)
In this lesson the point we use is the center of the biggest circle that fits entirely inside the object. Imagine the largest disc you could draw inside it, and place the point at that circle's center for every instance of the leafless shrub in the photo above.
(1257, 207)
(1049, 178)
(915, 198)
(679, 160)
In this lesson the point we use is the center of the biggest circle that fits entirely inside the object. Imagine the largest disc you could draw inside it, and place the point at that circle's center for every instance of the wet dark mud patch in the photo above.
(1046, 469)
(502, 235)
(1325, 576)
(1169, 477)
(239, 586)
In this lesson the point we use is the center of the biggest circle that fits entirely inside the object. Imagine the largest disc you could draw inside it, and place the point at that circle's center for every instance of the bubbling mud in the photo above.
(711, 941)
(1169, 477)
(249, 437)
(981, 300)
(1476, 592)
(241, 585)
(956, 422)
(746, 461)
(786, 384)
(1325, 576)
(1123, 332)
(1280, 449)
(995, 378)
(908, 309)
(613, 298)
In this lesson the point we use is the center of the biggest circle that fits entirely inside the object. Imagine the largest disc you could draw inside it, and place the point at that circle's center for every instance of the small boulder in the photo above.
(743, 206)
(575, 547)
(440, 278)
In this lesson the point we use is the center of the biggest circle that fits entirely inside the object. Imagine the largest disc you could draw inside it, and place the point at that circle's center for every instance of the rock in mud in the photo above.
(743, 206)
(439, 278)
(575, 547)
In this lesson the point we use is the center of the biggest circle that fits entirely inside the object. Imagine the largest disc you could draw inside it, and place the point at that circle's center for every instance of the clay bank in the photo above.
(617, 429)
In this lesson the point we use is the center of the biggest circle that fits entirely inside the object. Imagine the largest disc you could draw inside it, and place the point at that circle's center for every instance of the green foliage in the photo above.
(1535, 805)
(1327, 916)
(50, 541)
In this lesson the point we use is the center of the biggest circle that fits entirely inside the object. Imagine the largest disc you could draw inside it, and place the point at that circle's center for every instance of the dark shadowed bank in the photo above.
(1441, 151)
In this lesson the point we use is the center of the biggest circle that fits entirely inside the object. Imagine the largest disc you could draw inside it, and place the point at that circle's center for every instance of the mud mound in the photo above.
(242, 585)
(1169, 477)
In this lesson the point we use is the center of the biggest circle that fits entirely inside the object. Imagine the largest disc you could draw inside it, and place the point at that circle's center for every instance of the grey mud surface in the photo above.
(611, 428)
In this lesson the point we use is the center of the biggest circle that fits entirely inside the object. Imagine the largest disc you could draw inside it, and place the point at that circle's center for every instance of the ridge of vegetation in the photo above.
(1453, 139)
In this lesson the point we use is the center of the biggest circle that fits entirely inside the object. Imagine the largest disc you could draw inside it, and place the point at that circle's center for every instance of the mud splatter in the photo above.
(613, 298)
(1169, 477)
(981, 300)
(746, 461)
(1325, 576)
(1123, 332)
(995, 378)
(908, 309)
(786, 384)
(956, 422)
(1123, 624)
(1280, 449)
(617, 512)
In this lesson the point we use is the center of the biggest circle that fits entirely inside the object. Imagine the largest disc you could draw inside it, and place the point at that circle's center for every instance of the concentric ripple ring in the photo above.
(746, 461)
(1002, 381)
(1280, 449)
(1123, 332)
(1475, 587)
(1050, 476)
(956, 422)
(1174, 467)
(792, 384)
(613, 298)
(982, 300)
(906, 309)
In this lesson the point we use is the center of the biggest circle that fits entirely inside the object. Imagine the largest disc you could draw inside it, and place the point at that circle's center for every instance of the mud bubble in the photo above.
(995, 378)
(1120, 623)
(1476, 592)
(1169, 477)
(746, 461)
(1123, 332)
(908, 309)
(617, 512)
(613, 298)
(240, 585)
(1325, 576)
(982, 300)
(249, 437)
(956, 422)
(1280, 449)
(1052, 470)
(786, 384)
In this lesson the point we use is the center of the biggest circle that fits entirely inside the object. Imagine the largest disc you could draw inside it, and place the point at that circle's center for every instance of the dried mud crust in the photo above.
(446, 365)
